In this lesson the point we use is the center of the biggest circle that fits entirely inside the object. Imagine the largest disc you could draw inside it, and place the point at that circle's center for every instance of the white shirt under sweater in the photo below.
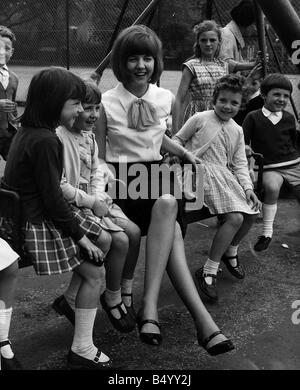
(273, 116)
(128, 144)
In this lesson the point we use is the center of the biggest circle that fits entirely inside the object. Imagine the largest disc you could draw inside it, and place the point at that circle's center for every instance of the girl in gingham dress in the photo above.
(83, 186)
(215, 137)
(53, 236)
(201, 73)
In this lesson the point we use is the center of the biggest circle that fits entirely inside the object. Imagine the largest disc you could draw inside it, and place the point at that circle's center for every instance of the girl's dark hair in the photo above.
(206, 25)
(92, 94)
(275, 80)
(243, 13)
(137, 39)
(229, 82)
(48, 91)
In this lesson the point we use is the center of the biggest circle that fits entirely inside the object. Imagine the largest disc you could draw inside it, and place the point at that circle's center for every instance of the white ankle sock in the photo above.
(113, 298)
(232, 251)
(269, 212)
(126, 288)
(5, 318)
(83, 335)
(210, 267)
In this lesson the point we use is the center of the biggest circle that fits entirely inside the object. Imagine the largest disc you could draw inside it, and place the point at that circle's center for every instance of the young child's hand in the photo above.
(100, 208)
(93, 251)
(7, 105)
(253, 199)
(190, 157)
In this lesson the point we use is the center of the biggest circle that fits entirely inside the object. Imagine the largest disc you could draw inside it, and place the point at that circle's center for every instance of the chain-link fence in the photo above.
(78, 34)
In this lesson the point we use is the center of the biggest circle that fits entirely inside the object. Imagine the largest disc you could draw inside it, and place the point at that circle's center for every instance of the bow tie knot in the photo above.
(141, 115)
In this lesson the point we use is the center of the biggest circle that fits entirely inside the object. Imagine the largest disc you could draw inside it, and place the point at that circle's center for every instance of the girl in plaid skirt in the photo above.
(216, 138)
(54, 237)
(8, 278)
(83, 186)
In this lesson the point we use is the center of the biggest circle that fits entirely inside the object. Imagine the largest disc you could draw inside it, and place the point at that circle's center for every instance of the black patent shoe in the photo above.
(130, 309)
(262, 244)
(217, 349)
(125, 323)
(77, 362)
(210, 290)
(61, 306)
(237, 271)
(146, 337)
(9, 364)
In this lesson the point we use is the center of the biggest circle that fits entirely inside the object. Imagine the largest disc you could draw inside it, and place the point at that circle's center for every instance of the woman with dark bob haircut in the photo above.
(136, 40)
(53, 236)
(130, 134)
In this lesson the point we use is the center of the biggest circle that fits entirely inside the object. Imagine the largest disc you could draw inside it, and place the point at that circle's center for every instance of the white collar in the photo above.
(127, 97)
(4, 67)
(267, 112)
(234, 28)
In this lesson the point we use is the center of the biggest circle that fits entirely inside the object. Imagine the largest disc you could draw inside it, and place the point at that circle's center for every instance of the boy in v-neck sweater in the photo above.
(272, 132)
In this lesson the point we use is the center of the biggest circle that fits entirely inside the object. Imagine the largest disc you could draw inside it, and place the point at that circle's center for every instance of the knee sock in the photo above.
(126, 288)
(5, 317)
(232, 251)
(269, 212)
(83, 335)
(210, 267)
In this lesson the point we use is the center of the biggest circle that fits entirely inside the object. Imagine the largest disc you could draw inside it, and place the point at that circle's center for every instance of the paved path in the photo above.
(256, 313)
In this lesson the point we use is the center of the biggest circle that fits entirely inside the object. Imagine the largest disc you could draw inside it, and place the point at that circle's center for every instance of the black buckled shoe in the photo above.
(210, 290)
(262, 243)
(61, 306)
(147, 337)
(130, 309)
(125, 323)
(77, 362)
(9, 364)
(217, 349)
(237, 271)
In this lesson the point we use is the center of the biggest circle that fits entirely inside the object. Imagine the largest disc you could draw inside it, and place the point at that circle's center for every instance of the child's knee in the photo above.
(166, 205)
(120, 241)
(235, 219)
(104, 241)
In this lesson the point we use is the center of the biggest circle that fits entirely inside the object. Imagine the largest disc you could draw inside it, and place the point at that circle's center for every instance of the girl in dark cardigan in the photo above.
(54, 237)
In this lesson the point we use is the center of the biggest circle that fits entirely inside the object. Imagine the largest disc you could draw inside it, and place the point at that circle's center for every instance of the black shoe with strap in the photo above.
(130, 309)
(9, 364)
(237, 270)
(61, 306)
(77, 362)
(262, 243)
(148, 337)
(125, 323)
(210, 290)
(217, 349)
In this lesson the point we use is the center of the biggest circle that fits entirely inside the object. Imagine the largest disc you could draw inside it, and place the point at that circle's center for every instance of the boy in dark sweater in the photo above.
(272, 132)
(8, 90)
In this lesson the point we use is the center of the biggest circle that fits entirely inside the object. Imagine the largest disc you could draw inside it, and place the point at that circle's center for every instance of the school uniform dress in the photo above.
(34, 169)
(205, 77)
(135, 130)
(220, 145)
(82, 183)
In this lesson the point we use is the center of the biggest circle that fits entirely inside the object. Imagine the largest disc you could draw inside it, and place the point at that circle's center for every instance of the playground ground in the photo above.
(259, 313)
